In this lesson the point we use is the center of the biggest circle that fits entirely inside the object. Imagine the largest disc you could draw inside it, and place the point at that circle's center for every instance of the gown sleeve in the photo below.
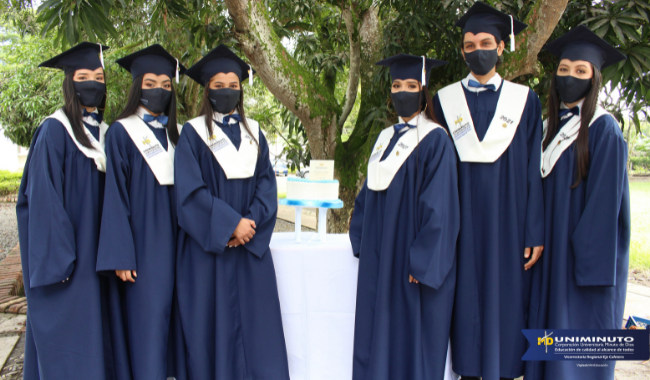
(595, 239)
(264, 207)
(534, 232)
(433, 252)
(207, 219)
(356, 224)
(52, 247)
(116, 245)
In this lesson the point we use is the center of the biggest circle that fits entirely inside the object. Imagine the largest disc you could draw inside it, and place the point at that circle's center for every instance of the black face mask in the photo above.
(572, 89)
(90, 92)
(224, 100)
(155, 100)
(406, 103)
(482, 61)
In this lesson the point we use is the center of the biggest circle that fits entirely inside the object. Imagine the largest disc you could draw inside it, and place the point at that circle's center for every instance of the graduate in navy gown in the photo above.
(497, 128)
(137, 244)
(403, 230)
(581, 281)
(59, 211)
(227, 206)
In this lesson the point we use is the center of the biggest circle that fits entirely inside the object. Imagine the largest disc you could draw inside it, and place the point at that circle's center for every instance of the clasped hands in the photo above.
(243, 233)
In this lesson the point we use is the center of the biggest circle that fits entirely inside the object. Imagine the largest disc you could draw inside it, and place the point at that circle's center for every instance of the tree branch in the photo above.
(541, 21)
(355, 65)
(293, 85)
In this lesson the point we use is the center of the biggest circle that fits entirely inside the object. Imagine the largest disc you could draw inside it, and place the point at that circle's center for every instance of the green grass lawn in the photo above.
(640, 244)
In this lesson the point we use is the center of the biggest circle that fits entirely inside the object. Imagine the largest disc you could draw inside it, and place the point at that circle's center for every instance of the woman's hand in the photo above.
(125, 275)
(412, 279)
(537, 253)
(243, 233)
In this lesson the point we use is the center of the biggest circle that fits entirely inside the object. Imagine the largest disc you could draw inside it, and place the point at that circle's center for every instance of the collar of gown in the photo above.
(140, 112)
(413, 121)
(219, 117)
(579, 105)
(495, 80)
(90, 120)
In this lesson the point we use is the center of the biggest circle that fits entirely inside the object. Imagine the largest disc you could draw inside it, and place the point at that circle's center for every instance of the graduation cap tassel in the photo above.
(424, 72)
(101, 55)
(512, 34)
(250, 74)
(177, 70)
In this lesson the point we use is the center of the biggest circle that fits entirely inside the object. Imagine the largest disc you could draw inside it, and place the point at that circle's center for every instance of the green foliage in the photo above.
(9, 182)
(72, 19)
(317, 52)
(27, 94)
(624, 24)
(640, 164)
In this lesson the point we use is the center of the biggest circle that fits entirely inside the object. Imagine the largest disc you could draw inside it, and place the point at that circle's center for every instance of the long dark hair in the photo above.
(427, 104)
(133, 102)
(586, 114)
(207, 111)
(73, 110)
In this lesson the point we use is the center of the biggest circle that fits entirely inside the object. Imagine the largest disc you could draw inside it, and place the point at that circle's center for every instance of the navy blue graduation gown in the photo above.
(138, 232)
(401, 328)
(581, 280)
(502, 213)
(228, 298)
(59, 211)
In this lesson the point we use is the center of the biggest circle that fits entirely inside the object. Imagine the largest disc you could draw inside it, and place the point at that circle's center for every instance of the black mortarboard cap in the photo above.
(405, 66)
(152, 60)
(86, 55)
(482, 18)
(219, 60)
(581, 44)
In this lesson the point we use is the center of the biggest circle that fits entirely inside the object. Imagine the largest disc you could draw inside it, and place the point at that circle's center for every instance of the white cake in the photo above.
(304, 189)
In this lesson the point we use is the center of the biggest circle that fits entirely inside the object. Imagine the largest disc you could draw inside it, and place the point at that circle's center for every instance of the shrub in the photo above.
(9, 182)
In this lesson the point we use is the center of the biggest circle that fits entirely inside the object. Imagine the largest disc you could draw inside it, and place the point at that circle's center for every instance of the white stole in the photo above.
(97, 154)
(235, 163)
(563, 139)
(501, 131)
(160, 162)
(381, 173)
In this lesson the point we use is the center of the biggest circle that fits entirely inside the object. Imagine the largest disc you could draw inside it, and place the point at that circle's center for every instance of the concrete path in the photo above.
(309, 216)
(11, 326)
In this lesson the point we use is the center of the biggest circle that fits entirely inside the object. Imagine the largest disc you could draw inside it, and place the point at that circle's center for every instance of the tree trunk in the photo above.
(294, 86)
(352, 155)
(315, 104)
(541, 20)
(298, 89)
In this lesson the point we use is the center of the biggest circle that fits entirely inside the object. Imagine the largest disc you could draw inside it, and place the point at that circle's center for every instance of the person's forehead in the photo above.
(478, 37)
(154, 77)
(220, 77)
(569, 62)
(98, 70)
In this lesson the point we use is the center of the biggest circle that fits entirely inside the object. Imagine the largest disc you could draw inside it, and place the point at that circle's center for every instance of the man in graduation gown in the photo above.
(496, 126)
(59, 212)
(403, 230)
(581, 281)
(139, 223)
(225, 184)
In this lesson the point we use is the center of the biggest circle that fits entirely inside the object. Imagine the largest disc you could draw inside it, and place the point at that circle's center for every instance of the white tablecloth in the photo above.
(317, 286)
